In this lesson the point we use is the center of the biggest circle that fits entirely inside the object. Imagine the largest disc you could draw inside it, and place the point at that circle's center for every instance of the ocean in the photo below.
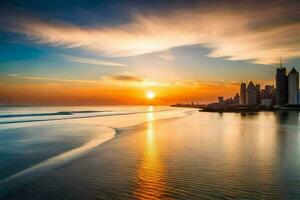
(147, 152)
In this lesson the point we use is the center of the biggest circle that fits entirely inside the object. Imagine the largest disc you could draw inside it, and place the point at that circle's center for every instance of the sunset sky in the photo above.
(93, 52)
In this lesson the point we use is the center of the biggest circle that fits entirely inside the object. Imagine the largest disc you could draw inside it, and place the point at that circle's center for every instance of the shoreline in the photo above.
(246, 110)
(241, 110)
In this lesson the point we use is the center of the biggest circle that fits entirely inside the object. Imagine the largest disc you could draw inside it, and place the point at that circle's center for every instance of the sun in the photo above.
(150, 95)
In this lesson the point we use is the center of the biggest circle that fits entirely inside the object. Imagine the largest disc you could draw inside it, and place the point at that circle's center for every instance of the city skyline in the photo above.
(253, 97)
(283, 91)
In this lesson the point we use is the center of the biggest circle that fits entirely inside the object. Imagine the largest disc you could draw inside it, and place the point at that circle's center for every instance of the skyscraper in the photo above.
(293, 87)
(281, 86)
(251, 95)
(257, 86)
(221, 99)
(243, 91)
(236, 99)
(268, 93)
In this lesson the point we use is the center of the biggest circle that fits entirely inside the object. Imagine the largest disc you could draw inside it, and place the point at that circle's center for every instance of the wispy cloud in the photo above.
(83, 60)
(13, 75)
(123, 77)
(261, 34)
(116, 79)
(39, 78)
(166, 55)
(135, 79)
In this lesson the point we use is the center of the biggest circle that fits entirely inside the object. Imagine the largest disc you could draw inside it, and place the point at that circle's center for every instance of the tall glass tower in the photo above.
(281, 86)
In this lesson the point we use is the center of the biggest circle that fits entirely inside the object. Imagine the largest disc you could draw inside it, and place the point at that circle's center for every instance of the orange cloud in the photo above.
(124, 77)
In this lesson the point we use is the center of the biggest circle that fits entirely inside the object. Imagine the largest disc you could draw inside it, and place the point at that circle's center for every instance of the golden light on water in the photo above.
(151, 183)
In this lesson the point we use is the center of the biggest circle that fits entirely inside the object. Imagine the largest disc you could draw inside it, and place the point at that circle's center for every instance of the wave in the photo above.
(49, 114)
(34, 172)
(13, 182)
(80, 117)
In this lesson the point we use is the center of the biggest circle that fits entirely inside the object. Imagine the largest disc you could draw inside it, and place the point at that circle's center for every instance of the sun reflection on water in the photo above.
(150, 174)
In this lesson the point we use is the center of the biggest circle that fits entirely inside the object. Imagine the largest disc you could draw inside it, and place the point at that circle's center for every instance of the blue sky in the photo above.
(207, 42)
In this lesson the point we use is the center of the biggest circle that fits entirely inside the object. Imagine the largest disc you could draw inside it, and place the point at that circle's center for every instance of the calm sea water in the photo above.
(148, 153)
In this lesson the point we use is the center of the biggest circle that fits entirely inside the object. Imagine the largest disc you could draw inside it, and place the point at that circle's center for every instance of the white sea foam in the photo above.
(25, 119)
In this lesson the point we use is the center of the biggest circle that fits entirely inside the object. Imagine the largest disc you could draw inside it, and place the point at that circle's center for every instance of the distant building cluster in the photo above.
(189, 105)
(231, 100)
(286, 93)
(252, 95)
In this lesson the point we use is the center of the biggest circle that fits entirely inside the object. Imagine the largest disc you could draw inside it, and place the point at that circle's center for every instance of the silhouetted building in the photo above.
(257, 86)
(229, 101)
(299, 97)
(268, 93)
(243, 92)
(293, 87)
(281, 86)
(220, 99)
(251, 95)
(285, 94)
(236, 99)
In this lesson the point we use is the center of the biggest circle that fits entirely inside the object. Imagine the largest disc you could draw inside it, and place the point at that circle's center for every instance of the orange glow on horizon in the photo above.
(45, 93)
